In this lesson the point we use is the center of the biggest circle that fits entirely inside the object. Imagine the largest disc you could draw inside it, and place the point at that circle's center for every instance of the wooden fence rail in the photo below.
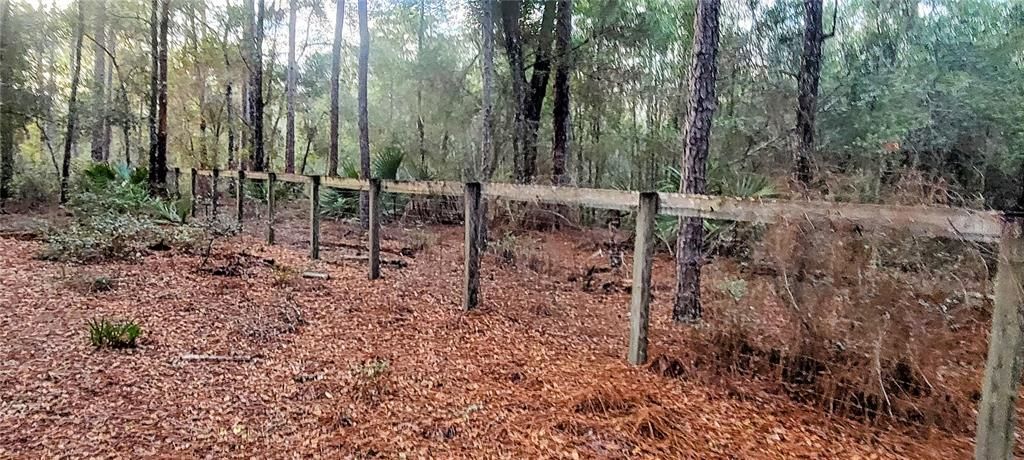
(996, 423)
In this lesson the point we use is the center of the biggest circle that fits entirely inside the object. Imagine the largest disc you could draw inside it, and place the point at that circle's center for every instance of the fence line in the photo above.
(996, 416)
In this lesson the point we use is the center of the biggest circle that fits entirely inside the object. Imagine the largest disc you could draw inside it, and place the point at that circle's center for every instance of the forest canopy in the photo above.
(923, 96)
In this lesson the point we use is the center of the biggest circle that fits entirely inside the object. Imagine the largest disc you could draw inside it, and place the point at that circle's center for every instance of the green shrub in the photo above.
(114, 334)
(106, 236)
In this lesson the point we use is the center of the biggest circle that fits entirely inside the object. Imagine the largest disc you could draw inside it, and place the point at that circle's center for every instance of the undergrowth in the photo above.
(114, 334)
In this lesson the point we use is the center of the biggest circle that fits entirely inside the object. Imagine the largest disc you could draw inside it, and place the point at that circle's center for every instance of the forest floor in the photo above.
(392, 368)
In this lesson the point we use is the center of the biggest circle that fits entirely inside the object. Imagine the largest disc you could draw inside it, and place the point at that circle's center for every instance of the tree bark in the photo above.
(562, 108)
(289, 147)
(6, 133)
(76, 73)
(364, 125)
(488, 160)
(258, 160)
(229, 105)
(154, 83)
(158, 169)
(538, 89)
(807, 99)
(419, 87)
(99, 77)
(332, 159)
(696, 139)
(111, 40)
(510, 12)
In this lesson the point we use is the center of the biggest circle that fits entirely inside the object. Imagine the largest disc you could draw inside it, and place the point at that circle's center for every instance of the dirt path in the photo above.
(388, 369)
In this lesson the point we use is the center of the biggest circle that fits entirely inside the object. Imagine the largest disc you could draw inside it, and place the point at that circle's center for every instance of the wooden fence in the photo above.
(996, 422)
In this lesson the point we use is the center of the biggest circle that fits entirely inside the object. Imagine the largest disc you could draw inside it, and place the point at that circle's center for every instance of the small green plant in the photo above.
(113, 334)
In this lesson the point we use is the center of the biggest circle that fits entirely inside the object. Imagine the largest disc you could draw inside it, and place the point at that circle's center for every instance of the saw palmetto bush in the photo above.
(113, 334)
(720, 236)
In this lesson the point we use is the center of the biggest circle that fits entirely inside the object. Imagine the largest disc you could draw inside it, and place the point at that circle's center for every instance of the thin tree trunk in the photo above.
(364, 124)
(76, 73)
(112, 47)
(807, 100)
(537, 90)
(99, 77)
(6, 127)
(158, 170)
(201, 77)
(419, 87)
(258, 162)
(332, 159)
(489, 157)
(696, 141)
(231, 126)
(289, 147)
(510, 12)
(154, 83)
(562, 108)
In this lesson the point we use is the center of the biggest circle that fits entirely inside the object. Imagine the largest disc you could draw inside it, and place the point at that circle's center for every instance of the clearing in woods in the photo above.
(346, 367)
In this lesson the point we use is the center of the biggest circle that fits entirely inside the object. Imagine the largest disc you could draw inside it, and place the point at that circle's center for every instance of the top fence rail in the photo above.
(930, 221)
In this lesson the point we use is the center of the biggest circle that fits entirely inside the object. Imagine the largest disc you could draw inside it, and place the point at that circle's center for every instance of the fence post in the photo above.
(314, 217)
(213, 191)
(271, 181)
(195, 194)
(374, 229)
(643, 258)
(471, 292)
(996, 414)
(240, 197)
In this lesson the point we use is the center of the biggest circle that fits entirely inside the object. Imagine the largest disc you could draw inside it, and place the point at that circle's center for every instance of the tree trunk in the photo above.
(364, 124)
(562, 107)
(419, 88)
(510, 12)
(99, 77)
(6, 133)
(258, 161)
(289, 142)
(332, 159)
(112, 47)
(76, 73)
(231, 127)
(538, 89)
(489, 158)
(154, 83)
(696, 139)
(158, 169)
(807, 100)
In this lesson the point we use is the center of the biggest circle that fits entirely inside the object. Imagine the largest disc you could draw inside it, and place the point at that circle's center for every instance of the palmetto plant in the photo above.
(385, 165)
(719, 235)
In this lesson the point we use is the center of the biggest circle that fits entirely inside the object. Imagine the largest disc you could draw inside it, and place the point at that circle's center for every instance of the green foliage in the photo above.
(387, 162)
(113, 334)
(339, 203)
(107, 236)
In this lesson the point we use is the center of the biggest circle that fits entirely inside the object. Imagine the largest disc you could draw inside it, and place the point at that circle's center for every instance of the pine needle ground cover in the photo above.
(347, 368)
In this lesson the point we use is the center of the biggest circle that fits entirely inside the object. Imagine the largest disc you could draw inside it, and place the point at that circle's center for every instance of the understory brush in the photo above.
(114, 334)
(115, 218)
(859, 324)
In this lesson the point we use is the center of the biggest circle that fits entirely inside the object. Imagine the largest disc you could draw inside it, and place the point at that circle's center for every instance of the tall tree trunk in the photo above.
(229, 103)
(807, 100)
(562, 108)
(99, 77)
(204, 159)
(696, 140)
(107, 122)
(489, 158)
(364, 123)
(289, 147)
(6, 133)
(419, 87)
(258, 161)
(154, 83)
(538, 89)
(332, 159)
(76, 73)
(158, 170)
(510, 12)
